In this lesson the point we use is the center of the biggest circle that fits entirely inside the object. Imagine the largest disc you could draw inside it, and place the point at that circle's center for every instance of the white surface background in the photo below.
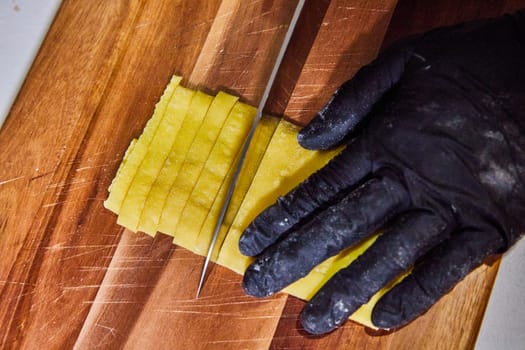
(504, 324)
(23, 25)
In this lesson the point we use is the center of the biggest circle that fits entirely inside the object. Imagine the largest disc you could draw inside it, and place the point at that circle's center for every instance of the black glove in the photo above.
(435, 133)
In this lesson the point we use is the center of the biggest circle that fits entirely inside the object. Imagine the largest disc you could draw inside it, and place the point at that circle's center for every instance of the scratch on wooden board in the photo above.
(69, 183)
(223, 15)
(104, 152)
(363, 9)
(238, 340)
(123, 268)
(44, 325)
(203, 313)
(102, 302)
(141, 25)
(17, 283)
(312, 85)
(22, 294)
(320, 69)
(206, 305)
(44, 301)
(83, 253)
(3, 182)
(134, 259)
(111, 330)
(70, 201)
(338, 55)
(231, 282)
(120, 285)
(266, 30)
(59, 246)
(228, 299)
(305, 97)
(87, 167)
(290, 336)
(260, 317)
(42, 174)
(264, 14)
(189, 258)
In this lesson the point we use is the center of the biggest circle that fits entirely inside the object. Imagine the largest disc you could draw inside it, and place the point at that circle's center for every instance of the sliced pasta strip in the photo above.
(194, 163)
(150, 217)
(120, 185)
(218, 164)
(160, 147)
(284, 165)
(256, 150)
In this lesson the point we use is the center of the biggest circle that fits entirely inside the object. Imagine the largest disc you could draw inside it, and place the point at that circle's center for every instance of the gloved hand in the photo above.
(435, 133)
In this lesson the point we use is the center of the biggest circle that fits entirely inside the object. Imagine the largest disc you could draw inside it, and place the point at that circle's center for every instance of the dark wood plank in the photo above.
(454, 322)
(418, 16)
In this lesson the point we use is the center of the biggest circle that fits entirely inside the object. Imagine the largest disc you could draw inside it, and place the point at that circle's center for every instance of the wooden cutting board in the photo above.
(69, 276)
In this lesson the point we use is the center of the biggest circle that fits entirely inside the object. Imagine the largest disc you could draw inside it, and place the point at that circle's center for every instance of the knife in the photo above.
(247, 142)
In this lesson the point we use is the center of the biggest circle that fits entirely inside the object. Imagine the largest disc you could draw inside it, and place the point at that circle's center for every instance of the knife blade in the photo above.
(249, 137)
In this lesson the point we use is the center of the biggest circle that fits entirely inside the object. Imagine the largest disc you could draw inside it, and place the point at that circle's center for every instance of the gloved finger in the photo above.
(337, 177)
(349, 221)
(437, 273)
(392, 254)
(354, 100)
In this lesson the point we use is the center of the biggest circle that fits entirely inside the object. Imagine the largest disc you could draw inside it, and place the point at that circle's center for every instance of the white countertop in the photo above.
(503, 326)
(23, 25)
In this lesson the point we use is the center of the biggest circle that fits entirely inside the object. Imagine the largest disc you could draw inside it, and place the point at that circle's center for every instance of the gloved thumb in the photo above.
(353, 100)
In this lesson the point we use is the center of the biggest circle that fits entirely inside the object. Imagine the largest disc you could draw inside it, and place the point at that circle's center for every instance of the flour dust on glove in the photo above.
(435, 157)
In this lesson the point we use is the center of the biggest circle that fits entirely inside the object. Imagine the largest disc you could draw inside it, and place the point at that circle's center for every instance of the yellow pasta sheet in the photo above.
(175, 176)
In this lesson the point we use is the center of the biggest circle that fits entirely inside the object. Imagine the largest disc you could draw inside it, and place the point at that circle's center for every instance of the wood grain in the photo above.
(349, 37)
(418, 16)
(70, 277)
